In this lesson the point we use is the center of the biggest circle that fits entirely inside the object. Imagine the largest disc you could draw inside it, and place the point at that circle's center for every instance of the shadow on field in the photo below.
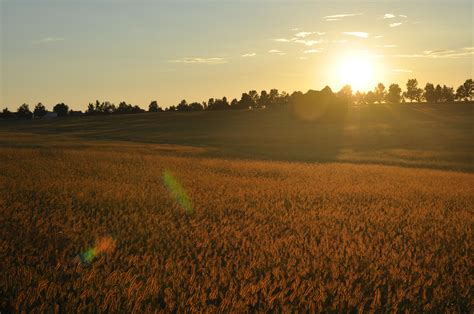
(432, 136)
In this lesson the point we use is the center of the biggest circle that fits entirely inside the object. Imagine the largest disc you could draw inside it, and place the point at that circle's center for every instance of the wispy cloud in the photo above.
(357, 34)
(199, 60)
(340, 16)
(395, 24)
(438, 52)
(402, 71)
(468, 48)
(378, 36)
(389, 16)
(307, 42)
(282, 40)
(442, 53)
(303, 34)
(248, 55)
(49, 40)
(312, 51)
(387, 46)
(403, 16)
(277, 52)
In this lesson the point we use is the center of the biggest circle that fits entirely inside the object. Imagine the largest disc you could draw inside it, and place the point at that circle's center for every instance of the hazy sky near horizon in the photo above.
(76, 51)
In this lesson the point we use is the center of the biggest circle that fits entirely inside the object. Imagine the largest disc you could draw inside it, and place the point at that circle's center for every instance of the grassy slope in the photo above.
(435, 136)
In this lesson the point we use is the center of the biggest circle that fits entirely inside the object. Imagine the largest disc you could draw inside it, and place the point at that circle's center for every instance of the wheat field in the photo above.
(97, 227)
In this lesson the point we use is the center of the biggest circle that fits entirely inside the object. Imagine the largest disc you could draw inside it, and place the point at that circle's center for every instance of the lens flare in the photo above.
(102, 245)
(177, 191)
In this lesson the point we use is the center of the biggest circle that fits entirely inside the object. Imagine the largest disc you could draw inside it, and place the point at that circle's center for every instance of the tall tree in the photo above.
(370, 98)
(182, 106)
(413, 92)
(394, 94)
(430, 93)
(447, 94)
(6, 114)
(466, 90)
(61, 109)
(345, 94)
(24, 112)
(39, 110)
(153, 107)
(380, 92)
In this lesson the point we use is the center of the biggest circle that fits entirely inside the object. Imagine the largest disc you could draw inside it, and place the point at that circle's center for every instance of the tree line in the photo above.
(264, 99)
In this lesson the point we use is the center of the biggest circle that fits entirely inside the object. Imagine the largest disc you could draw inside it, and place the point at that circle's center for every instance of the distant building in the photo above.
(50, 115)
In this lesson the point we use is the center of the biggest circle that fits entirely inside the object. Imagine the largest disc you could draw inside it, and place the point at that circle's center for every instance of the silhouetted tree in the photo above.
(218, 104)
(438, 93)
(245, 102)
(254, 95)
(465, 91)
(153, 107)
(39, 110)
(359, 98)
(23, 112)
(413, 92)
(380, 92)
(263, 100)
(447, 94)
(394, 94)
(171, 108)
(182, 106)
(345, 94)
(6, 114)
(430, 93)
(90, 109)
(195, 106)
(234, 103)
(370, 98)
(61, 109)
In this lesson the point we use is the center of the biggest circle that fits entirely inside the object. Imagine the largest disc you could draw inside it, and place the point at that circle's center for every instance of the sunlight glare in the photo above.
(357, 70)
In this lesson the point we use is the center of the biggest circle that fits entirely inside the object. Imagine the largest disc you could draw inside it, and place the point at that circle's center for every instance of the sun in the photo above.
(357, 70)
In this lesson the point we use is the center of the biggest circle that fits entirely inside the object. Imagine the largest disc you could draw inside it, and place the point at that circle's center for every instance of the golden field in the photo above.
(261, 236)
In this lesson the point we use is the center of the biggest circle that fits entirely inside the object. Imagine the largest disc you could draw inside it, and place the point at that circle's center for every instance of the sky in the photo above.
(77, 51)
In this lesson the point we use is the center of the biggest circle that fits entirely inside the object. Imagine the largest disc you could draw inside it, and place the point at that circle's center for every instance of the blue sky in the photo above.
(79, 51)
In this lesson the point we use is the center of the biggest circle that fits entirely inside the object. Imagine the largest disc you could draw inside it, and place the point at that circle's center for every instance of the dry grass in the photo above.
(261, 236)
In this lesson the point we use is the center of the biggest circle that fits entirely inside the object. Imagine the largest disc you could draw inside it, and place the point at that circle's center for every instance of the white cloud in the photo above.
(438, 52)
(49, 40)
(395, 24)
(312, 51)
(357, 34)
(303, 58)
(450, 54)
(277, 52)
(402, 71)
(282, 40)
(320, 33)
(379, 36)
(387, 46)
(247, 55)
(340, 16)
(388, 16)
(303, 34)
(332, 20)
(307, 42)
(403, 16)
(199, 60)
(468, 48)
